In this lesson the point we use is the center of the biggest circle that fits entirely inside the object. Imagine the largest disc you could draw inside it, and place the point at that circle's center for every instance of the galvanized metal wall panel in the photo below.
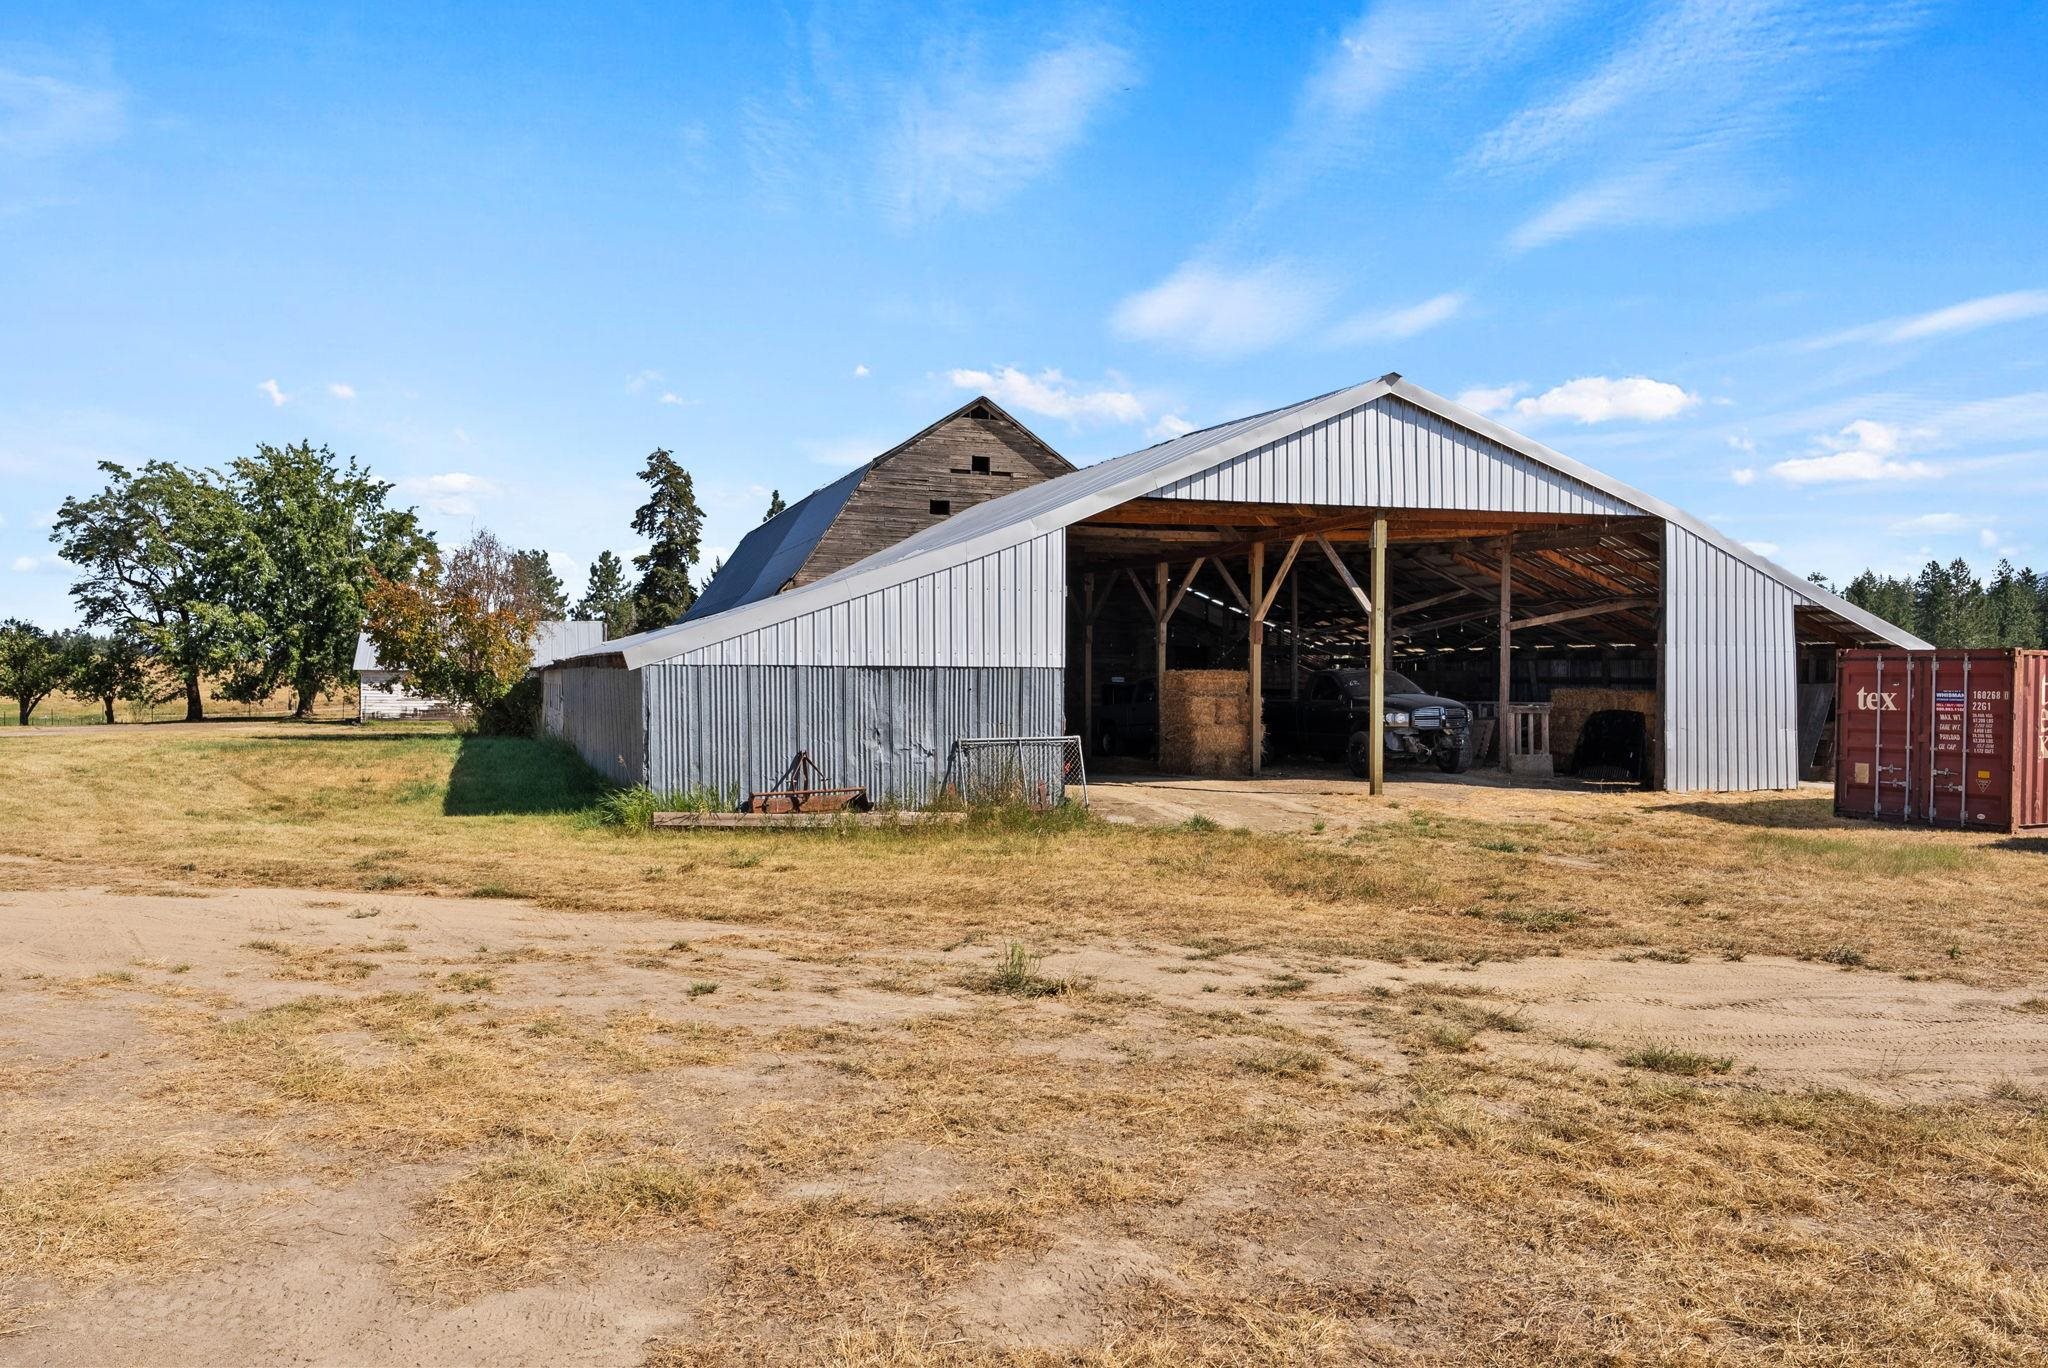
(1390, 453)
(736, 729)
(602, 714)
(1731, 667)
(1005, 609)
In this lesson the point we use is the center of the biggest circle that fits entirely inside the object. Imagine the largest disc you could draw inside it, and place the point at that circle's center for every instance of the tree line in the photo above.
(1949, 606)
(257, 578)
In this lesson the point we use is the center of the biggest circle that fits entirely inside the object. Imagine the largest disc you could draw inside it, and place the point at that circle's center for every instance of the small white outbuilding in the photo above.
(387, 695)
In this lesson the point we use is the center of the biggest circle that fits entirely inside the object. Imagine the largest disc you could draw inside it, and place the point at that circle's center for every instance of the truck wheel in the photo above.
(1358, 754)
(1105, 741)
(1456, 759)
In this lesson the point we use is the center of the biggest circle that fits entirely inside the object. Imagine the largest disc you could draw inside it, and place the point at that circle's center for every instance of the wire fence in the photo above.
(1037, 771)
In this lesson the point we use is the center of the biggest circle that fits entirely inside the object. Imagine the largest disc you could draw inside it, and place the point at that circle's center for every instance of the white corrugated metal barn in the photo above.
(1504, 561)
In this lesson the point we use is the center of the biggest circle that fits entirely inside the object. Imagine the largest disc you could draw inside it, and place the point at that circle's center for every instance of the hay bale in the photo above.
(1205, 717)
(1571, 706)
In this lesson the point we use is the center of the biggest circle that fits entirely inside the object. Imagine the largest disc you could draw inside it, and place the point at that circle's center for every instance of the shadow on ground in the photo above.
(503, 775)
(1786, 811)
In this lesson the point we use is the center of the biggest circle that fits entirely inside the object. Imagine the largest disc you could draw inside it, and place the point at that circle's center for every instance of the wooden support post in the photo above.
(1160, 580)
(1294, 638)
(1507, 610)
(1379, 656)
(1258, 648)
(1088, 661)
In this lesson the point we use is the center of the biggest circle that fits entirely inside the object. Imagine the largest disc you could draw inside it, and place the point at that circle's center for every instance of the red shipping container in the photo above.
(1943, 738)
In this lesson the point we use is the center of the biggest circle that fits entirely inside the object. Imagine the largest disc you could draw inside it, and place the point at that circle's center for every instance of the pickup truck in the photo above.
(1331, 720)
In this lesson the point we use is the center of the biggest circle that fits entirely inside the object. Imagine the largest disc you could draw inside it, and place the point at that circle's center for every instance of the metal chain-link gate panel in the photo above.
(1038, 771)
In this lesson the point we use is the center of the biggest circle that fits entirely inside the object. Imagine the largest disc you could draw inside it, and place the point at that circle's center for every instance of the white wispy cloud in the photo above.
(1743, 475)
(671, 397)
(638, 381)
(28, 565)
(860, 372)
(1987, 538)
(1218, 312)
(278, 398)
(44, 116)
(1603, 399)
(1664, 128)
(1968, 316)
(1050, 394)
(1763, 548)
(970, 142)
(452, 493)
(1924, 523)
(342, 391)
(1391, 46)
(1396, 324)
(1865, 451)
(1489, 399)
(1169, 426)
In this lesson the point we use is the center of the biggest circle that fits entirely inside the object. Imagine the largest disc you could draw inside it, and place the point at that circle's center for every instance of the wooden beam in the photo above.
(1279, 578)
(1379, 657)
(1158, 668)
(1185, 585)
(1088, 661)
(1231, 582)
(1257, 652)
(1294, 638)
(1151, 606)
(1582, 611)
(1432, 601)
(1507, 595)
(1344, 573)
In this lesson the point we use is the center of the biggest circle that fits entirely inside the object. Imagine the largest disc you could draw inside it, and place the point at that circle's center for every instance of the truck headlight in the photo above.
(1396, 717)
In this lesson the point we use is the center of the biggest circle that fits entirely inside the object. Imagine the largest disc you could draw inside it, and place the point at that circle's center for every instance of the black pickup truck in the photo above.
(1332, 720)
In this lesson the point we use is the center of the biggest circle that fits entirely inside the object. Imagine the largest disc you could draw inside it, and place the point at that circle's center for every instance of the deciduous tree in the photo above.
(170, 555)
(326, 529)
(463, 628)
(33, 665)
(117, 668)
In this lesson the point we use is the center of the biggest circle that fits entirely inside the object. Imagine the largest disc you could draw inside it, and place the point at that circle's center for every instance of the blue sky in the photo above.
(1780, 263)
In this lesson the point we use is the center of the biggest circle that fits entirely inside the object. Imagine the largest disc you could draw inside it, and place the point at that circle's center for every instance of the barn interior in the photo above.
(1537, 622)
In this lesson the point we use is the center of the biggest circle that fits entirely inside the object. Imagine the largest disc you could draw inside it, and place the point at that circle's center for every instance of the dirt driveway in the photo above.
(1297, 798)
(301, 1268)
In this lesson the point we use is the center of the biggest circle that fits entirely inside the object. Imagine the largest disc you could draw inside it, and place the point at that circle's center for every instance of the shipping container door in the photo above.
(1874, 716)
(1942, 720)
(1983, 741)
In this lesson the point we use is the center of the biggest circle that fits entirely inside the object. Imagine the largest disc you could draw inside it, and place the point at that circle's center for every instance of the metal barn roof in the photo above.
(1032, 512)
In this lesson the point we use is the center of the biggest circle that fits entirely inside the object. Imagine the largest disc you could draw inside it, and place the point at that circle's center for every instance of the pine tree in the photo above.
(673, 524)
(606, 597)
(1884, 596)
(775, 505)
(539, 582)
(2015, 604)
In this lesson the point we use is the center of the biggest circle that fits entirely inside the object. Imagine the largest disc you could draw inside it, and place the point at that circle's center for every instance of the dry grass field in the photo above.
(338, 1045)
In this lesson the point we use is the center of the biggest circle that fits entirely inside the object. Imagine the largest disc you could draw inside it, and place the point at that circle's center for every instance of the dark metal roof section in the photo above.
(768, 557)
(772, 553)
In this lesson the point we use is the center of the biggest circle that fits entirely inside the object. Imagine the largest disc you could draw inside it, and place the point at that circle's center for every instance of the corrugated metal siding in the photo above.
(1392, 454)
(736, 729)
(1003, 609)
(1731, 666)
(601, 713)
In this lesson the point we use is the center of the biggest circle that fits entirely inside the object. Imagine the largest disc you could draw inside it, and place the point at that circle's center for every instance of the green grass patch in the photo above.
(1666, 1059)
(1885, 857)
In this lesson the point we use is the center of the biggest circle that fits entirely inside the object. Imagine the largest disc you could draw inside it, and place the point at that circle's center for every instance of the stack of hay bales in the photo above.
(1205, 721)
(1571, 706)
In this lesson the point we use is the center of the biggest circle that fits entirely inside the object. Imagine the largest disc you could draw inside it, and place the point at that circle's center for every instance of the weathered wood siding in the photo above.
(895, 499)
